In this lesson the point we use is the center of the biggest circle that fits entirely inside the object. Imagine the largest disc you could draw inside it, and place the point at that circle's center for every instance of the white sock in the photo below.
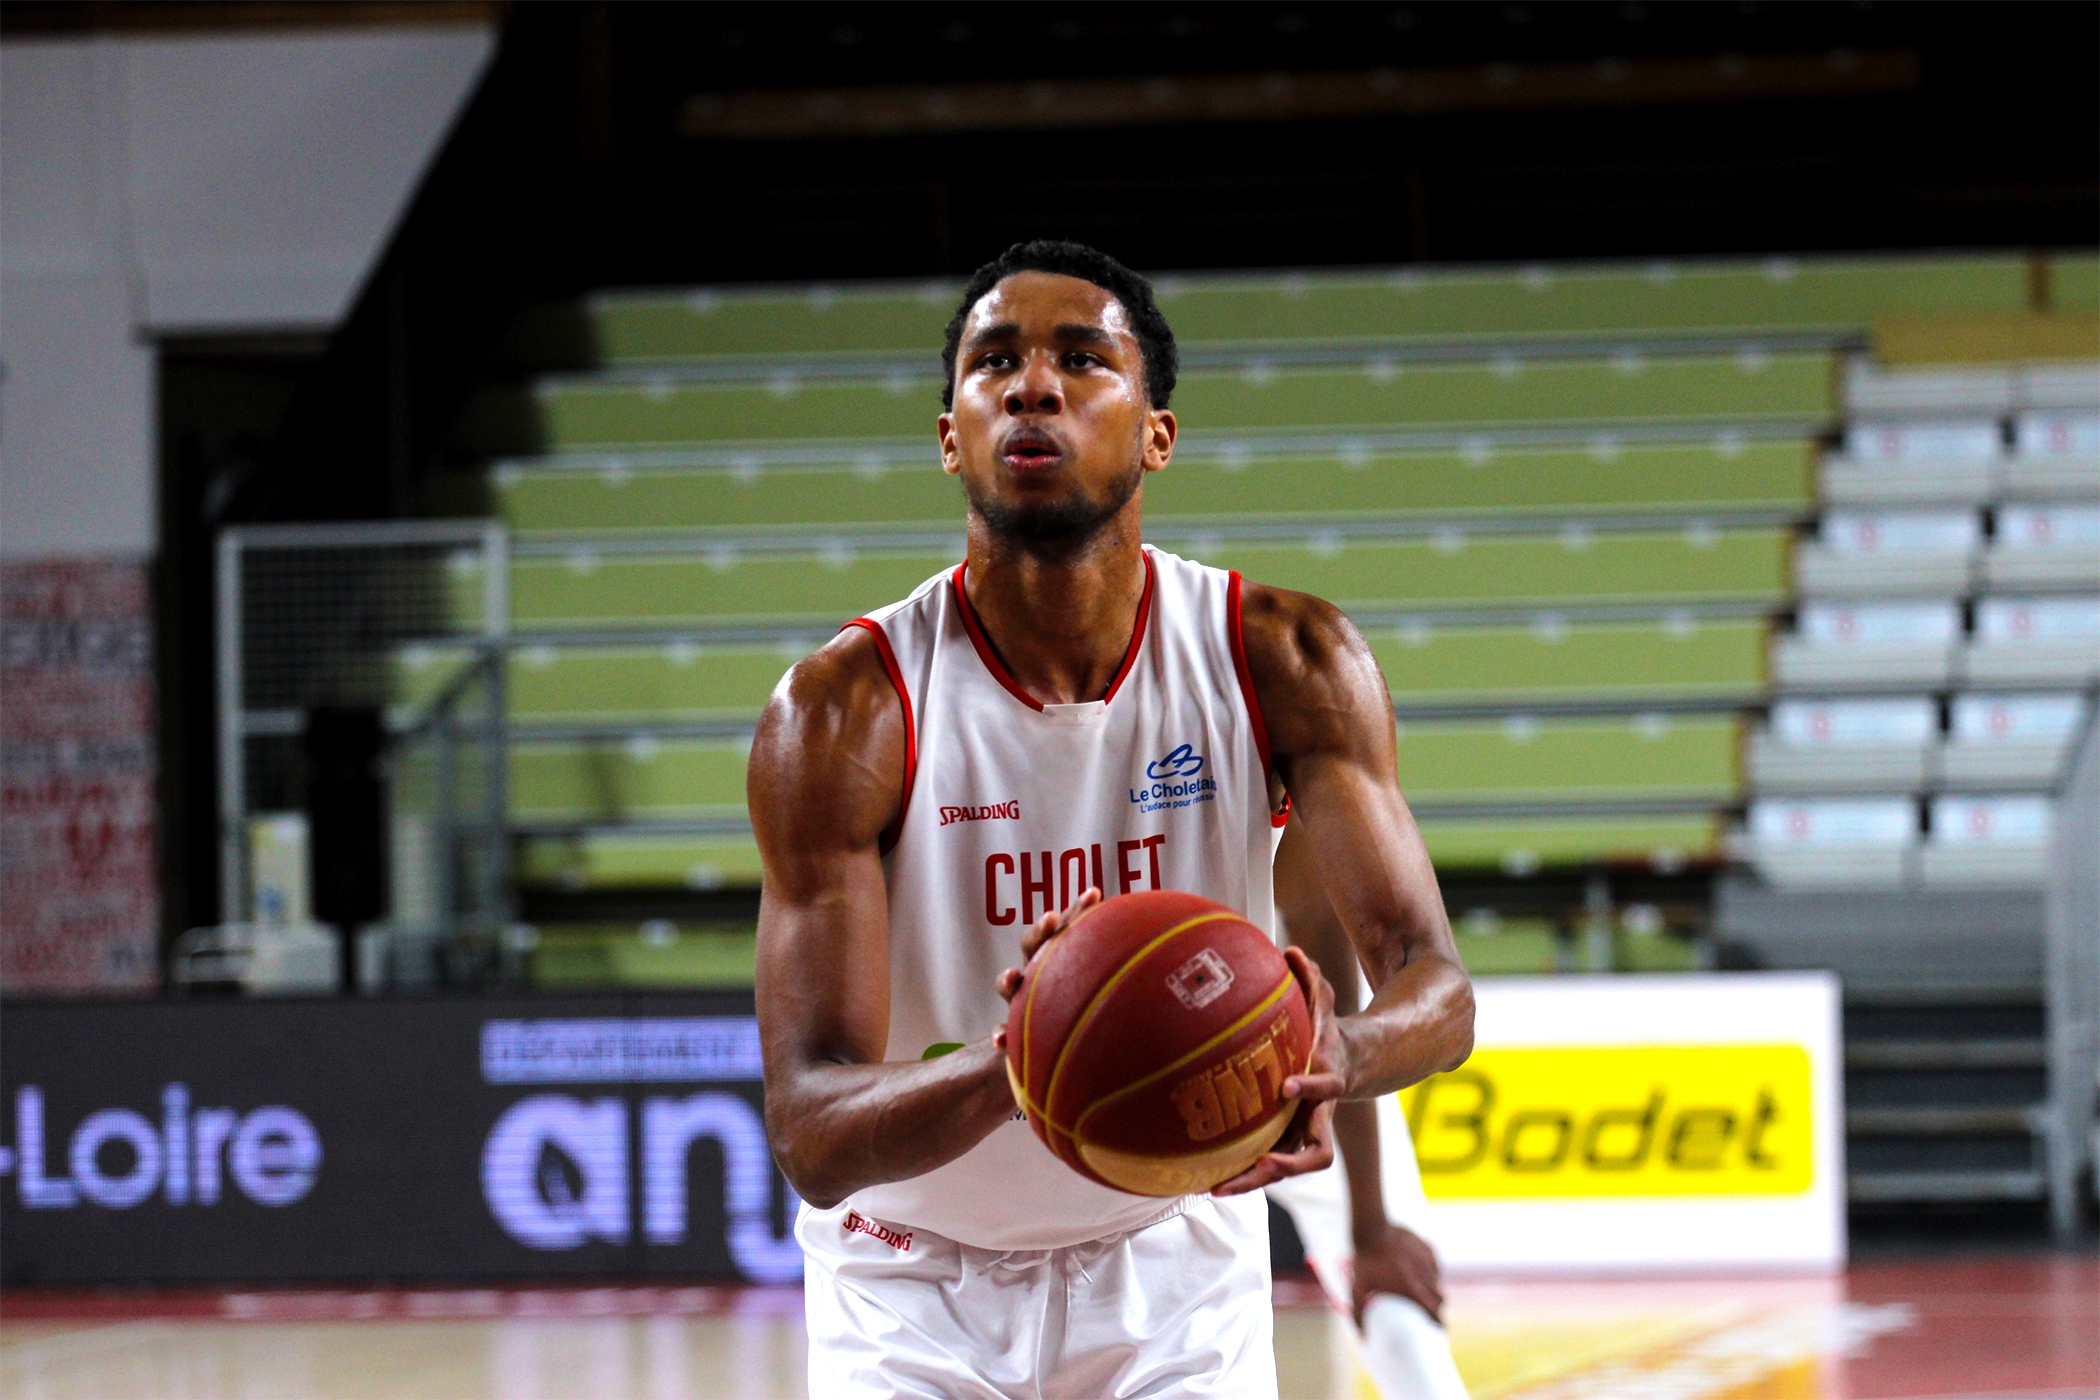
(1407, 1354)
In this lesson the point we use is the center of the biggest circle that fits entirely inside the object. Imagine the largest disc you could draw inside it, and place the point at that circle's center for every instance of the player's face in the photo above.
(1051, 429)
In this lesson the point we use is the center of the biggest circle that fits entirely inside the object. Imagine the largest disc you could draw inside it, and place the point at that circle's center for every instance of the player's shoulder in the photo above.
(843, 680)
(1290, 634)
(830, 748)
(854, 673)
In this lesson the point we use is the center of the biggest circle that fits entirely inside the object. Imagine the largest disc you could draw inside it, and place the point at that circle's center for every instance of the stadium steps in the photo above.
(1490, 306)
(1352, 483)
(1797, 390)
(1559, 501)
(650, 953)
(673, 856)
(821, 585)
(1942, 1097)
(1651, 759)
(1547, 662)
(2074, 282)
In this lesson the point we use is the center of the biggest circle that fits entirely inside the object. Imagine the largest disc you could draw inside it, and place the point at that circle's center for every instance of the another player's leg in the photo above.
(1404, 1350)
(1402, 1345)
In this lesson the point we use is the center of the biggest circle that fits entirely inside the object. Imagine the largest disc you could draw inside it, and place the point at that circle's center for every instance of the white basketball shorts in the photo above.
(1179, 1308)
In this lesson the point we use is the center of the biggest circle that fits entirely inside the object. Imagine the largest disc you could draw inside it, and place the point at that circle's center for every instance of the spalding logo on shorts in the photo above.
(1245, 1089)
(1201, 980)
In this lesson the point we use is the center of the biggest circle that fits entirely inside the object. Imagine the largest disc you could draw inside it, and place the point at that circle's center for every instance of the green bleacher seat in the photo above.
(1472, 571)
(1535, 843)
(639, 328)
(1549, 660)
(1442, 762)
(696, 589)
(1652, 950)
(674, 683)
(1816, 295)
(1349, 485)
(1632, 662)
(1776, 296)
(1516, 760)
(584, 957)
(2074, 282)
(1509, 947)
(620, 779)
(611, 859)
(599, 860)
(584, 414)
(585, 589)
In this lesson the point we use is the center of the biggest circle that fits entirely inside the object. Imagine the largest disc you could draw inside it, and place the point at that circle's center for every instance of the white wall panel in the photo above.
(76, 421)
(265, 173)
(149, 186)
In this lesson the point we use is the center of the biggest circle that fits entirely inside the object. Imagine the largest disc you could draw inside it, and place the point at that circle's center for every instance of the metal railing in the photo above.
(2071, 983)
(410, 618)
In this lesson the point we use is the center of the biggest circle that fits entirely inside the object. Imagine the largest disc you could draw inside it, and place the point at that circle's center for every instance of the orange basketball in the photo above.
(1149, 1043)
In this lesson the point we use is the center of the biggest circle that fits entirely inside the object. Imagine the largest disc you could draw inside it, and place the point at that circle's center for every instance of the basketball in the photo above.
(1149, 1043)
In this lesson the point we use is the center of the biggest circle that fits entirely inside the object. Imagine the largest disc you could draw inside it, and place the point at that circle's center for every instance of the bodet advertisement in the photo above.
(1602, 1122)
(1629, 1122)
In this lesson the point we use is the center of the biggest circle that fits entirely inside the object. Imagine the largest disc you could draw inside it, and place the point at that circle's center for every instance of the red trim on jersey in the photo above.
(984, 648)
(1137, 633)
(998, 669)
(1239, 667)
(911, 736)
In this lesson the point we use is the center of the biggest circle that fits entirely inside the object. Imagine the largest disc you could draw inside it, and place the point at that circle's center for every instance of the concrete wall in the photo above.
(163, 185)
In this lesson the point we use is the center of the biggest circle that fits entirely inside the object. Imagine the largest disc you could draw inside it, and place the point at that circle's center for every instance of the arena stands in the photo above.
(1671, 567)
(1563, 503)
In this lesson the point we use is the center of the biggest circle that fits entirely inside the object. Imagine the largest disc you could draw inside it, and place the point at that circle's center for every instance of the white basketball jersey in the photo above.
(1013, 808)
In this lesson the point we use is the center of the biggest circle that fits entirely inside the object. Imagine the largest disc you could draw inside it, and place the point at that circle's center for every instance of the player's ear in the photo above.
(951, 453)
(1159, 432)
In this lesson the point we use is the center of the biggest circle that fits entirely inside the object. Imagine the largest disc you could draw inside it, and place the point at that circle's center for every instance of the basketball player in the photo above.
(912, 785)
(1352, 1217)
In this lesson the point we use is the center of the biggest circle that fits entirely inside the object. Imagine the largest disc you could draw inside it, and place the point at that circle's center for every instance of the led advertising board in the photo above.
(1601, 1123)
(258, 1140)
(1638, 1122)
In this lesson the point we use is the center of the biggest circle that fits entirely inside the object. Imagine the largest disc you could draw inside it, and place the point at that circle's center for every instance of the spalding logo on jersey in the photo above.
(1008, 811)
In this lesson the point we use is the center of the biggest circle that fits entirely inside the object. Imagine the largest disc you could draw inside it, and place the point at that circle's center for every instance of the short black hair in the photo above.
(1154, 336)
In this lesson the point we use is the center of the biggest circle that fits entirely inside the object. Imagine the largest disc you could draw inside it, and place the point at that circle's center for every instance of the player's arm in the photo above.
(1389, 1258)
(1331, 739)
(1310, 919)
(826, 777)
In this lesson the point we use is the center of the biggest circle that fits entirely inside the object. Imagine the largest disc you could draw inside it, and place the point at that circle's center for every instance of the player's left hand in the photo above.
(1396, 1260)
(1044, 929)
(1307, 1145)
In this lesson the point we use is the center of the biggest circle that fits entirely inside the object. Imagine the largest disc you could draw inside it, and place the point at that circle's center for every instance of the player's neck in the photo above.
(1060, 620)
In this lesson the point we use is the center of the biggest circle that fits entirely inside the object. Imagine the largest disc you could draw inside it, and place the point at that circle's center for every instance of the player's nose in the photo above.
(1035, 389)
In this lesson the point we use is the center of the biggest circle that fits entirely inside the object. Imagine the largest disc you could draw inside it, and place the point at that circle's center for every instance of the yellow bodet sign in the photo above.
(1616, 1120)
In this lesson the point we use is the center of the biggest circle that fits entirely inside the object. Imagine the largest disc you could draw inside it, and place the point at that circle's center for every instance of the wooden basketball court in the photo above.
(2015, 1328)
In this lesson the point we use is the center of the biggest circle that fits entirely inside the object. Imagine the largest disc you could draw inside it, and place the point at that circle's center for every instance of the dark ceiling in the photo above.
(1991, 140)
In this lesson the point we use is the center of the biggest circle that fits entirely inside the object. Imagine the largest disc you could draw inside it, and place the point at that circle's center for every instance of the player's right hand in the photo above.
(1307, 1145)
(1041, 932)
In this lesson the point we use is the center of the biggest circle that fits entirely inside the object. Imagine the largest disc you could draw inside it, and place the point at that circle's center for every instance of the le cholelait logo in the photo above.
(1182, 763)
(1176, 780)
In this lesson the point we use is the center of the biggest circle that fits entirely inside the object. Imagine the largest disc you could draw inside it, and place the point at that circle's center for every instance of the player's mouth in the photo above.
(1029, 450)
